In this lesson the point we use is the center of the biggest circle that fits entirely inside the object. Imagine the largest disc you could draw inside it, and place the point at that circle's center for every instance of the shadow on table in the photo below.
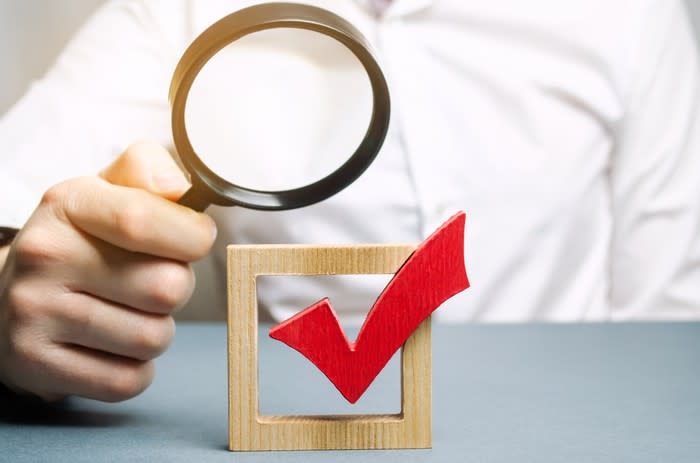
(33, 411)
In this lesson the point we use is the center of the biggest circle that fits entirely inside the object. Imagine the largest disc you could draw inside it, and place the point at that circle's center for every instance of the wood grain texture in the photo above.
(431, 275)
(250, 431)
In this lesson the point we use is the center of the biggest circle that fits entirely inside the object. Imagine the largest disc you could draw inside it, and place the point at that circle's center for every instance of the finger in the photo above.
(134, 219)
(104, 326)
(75, 370)
(136, 280)
(82, 263)
(150, 167)
(52, 370)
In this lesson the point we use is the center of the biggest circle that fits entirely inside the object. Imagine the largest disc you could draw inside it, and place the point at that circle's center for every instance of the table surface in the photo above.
(533, 392)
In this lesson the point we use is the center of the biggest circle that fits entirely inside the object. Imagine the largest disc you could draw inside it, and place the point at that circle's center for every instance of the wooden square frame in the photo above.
(250, 431)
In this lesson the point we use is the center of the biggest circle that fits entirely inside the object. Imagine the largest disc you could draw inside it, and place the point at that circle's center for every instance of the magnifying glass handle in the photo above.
(194, 200)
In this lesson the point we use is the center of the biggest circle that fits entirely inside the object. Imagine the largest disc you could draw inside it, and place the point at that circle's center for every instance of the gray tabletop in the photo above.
(540, 393)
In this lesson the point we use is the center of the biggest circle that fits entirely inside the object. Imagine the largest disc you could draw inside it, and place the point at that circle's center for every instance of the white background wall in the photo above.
(32, 32)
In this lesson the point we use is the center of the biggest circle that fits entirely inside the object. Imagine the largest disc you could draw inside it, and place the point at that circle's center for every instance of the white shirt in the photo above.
(568, 132)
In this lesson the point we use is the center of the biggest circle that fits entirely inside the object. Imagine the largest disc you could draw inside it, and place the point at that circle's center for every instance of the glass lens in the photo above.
(279, 109)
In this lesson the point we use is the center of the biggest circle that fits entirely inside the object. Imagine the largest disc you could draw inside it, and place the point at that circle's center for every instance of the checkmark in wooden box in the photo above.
(424, 277)
(248, 430)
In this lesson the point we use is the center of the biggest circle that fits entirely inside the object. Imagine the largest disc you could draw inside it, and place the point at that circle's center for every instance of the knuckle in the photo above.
(68, 196)
(172, 287)
(129, 381)
(23, 350)
(61, 195)
(132, 223)
(82, 315)
(154, 337)
(24, 304)
(35, 247)
(56, 195)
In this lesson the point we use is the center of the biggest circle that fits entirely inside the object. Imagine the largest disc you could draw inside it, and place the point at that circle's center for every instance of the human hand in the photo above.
(90, 282)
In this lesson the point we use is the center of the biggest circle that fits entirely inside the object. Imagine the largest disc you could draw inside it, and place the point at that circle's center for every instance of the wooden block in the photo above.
(248, 430)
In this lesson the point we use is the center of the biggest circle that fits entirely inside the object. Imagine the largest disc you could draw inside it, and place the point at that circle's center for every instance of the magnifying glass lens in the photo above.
(279, 109)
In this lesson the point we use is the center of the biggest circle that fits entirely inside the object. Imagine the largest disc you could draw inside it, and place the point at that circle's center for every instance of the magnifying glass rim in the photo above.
(217, 190)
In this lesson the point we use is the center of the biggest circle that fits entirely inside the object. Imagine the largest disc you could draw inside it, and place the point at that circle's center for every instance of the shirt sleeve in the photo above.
(106, 90)
(655, 174)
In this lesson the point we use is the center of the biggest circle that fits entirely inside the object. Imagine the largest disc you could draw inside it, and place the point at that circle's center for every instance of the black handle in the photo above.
(194, 200)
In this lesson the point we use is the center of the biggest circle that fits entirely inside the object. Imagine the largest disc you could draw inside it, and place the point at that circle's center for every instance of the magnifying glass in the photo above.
(280, 112)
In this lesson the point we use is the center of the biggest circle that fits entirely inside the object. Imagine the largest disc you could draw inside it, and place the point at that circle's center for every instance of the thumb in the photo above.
(150, 167)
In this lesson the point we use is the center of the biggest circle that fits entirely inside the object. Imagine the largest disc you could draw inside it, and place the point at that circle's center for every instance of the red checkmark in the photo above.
(433, 273)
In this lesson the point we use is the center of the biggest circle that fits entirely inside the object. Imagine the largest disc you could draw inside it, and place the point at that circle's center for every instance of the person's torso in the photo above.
(502, 109)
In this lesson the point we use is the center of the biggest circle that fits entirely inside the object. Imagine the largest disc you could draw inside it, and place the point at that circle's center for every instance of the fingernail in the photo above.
(170, 182)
